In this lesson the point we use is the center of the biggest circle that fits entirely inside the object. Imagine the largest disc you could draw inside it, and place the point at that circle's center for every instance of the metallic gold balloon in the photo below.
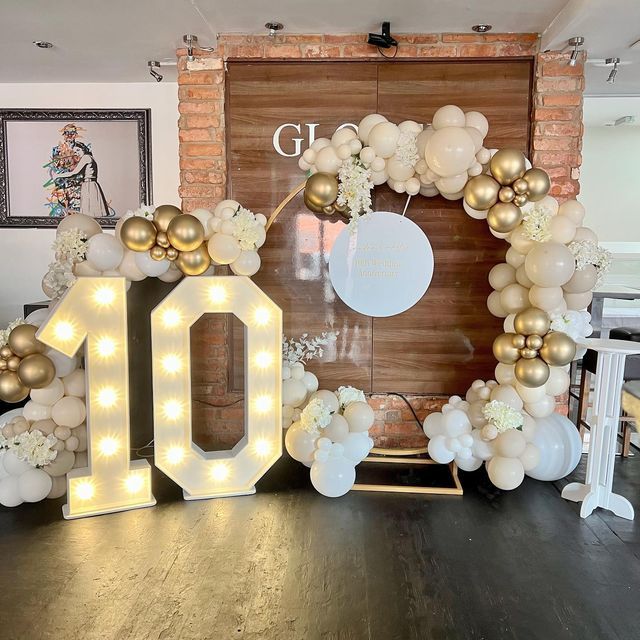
(163, 215)
(519, 341)
(3, 365)
(162, 240)
(22, 340)
(172, 254)
(520, 186)
(311, 206)
(557, 349)
(520, 200)
(481, 192)
(158, 253)
(194, 263)
(11, 389)
(321, 189)
(329, 210)
(506, 194)
(36, 371)
(340, 208)
(532, 321)
(507, 165)
(504, 217)
(13, 363)
(534, 342)
(531, 373)
(185, 232)
(538, 184)
(138, 234)
(503, 349)
(528, 354)
(6, 352)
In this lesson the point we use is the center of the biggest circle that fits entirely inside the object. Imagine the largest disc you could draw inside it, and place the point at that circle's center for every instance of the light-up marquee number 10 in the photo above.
(95, 309)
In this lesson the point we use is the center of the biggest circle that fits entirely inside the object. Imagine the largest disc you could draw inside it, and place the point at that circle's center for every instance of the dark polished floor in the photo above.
(288, 563)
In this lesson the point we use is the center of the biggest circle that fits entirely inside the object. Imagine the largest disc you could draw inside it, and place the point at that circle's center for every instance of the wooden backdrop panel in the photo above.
(444, 342)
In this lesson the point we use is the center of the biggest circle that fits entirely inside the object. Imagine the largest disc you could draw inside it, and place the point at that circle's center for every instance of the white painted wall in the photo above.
(25, 253)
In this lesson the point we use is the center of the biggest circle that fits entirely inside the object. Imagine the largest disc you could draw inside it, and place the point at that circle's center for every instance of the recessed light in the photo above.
(274, 27)
(43, 44)
(481, 28)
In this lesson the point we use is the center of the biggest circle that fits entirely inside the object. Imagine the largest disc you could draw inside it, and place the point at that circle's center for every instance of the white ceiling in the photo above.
(602, 111)
(111, 40)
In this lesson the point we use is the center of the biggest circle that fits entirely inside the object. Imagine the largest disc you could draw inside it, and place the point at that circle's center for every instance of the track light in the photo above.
(152, 64)
(614, 72)
(274, 27)
(192, 43)
(383, 40)
(576, 43)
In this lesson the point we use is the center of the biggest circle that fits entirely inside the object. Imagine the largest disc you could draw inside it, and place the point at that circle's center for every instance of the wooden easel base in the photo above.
(410, 457)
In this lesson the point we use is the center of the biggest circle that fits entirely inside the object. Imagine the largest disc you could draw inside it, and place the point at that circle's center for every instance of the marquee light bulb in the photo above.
(261, 316)
(262, 447)
(134, 483)
(108, 446)
(84, 490)
(171, 363)
(217, 294)
(171, 318)
(172, 409)
(175, 455)
(263, 359)
(104, 296)
(220, 471)
(263, 403)
(107, 397)
(106, 347)
(64, 330)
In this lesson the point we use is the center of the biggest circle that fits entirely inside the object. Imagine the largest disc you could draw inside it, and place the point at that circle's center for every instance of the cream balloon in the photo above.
(495, 305)
(573, 210)
(246, 264)
(530, 394)
(360, 416)
(550, 264)
(294, 393)
(50, 394)
(522, 277)
(367, 124)
(383, 138)
(329, 398)
(546, 298)
(204, 215)
(64, 365)
(474, 213)
(33, 411)
(585, 234)
(104, 252)
(520, 242)
(505, 473)
(86, 224)
(69, 412)
(583, 280)
(558, 382)
(578, 301)
(224, 249)
(541, 408)
(342, 136)
(173, 274)
(504, 374)
(507, 393)
(530, 457)
(128, 267)
(510, 444)
(61, 465)
(562, 229)
(514, 298)
(448, 116)
(478, 121)
(449, 151)
(421, 140)
(84, 269)
(514, 258)
(328, 161)
(338, 429)
(501, 275)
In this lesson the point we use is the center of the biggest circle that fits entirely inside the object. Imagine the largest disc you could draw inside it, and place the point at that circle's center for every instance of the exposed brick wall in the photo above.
(556, 135)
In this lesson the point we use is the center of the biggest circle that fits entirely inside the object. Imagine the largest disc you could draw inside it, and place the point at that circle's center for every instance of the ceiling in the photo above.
(111, 40)
(602, 111)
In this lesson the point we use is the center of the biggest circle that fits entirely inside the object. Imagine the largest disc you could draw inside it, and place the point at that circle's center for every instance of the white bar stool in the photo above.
(596, 490)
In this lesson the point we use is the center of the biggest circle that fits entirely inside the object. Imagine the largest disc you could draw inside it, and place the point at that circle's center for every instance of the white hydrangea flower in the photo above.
(143, 211)
(4, 335)
(535, 223)
(407, 149)
(315, 416)
(70, 246)
(246, 229)
(587, 252)
(34, 447)
(59, 277)
(347, 395)
(354, 189)
(502, 416)
(576, 324)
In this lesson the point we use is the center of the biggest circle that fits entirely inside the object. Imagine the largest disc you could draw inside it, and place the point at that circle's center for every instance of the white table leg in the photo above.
(597, 488)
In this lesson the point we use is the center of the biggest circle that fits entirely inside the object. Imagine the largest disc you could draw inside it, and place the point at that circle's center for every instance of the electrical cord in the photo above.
(406, 401)
(395, 53)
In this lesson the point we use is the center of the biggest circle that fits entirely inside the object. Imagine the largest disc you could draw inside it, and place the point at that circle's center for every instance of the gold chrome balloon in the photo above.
(531, 373)
(185, 232)
(158, 253)
(194, 263)
(163, 215)
(532, 321)
(13, 363)
(11, 389)
(520, 200)
(172, 254)
(528, 354)
(481, 192)
(506, 194)
(329, 210)
(534, 342)
(22, 340)
(538, 184)
(504, 217)
(507, 165)
(504, 350)
(311, 206)
(321, 190)
(520, 186)
(6, 352)
(519, 341)
(3, 365)
(138, 234)
(557, 349)
(162, 240)
(36, 371)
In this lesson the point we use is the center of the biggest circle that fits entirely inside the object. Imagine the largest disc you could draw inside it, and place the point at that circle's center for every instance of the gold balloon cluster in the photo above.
(509, 187)
(533, 348)
(23, 365)
(320, 194)
(176, 236)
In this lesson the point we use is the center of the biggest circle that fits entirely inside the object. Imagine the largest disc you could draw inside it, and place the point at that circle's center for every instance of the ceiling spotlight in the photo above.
(192, 43)
(274, 27)
(481, 28)
(614, 72)
(576, 43)
(43, 44)
(624, 120)
(153, 64)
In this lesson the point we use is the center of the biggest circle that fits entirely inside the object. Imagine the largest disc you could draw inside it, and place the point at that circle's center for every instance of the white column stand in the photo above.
(596, 490)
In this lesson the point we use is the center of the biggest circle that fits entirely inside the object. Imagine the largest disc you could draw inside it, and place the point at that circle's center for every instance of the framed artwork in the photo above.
(55, 163)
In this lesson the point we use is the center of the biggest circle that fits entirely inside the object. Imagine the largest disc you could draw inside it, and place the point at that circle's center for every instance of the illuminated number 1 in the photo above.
(95, 309)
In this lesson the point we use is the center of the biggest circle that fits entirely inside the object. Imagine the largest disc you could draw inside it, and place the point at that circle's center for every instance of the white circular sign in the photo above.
(384, 267)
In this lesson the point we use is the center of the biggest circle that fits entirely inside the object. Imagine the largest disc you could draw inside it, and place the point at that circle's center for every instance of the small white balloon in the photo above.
(75, 384)
(104, 252)
(149, 266)
(64, 365)
(50, 394)
(34, 485)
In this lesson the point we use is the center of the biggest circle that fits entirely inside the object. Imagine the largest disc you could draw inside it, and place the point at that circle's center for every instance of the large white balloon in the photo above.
(10, 492)
(333, 477)
(300, 443)
(104, 252)
(149, 266)
(34, 485)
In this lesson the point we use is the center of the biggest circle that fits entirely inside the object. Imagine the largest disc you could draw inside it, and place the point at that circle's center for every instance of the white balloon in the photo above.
(204, 215)
(505, 473)
(300, 443)
(449, 115)
(223, 249)
(37, 317)
(433, 425)
(294, 393)
(173, 274)
(68, 412)
(246, 264)
(34, 485)
(558, 382)
(128, 267)
(149, 266)
(456, 423)
(468, 464)
(13, 466)
(541, 408)
(438, 450)
(367, 124)
(507, 394)
(310, 381)
(356, 446)
(104, 252)
(333, 478)
(75, 384)
(33, 411)
(10, 491)
(50, 394)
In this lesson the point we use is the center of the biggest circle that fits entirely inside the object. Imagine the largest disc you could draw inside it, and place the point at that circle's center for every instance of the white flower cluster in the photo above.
(407, 150)
(502, 416)
(535, 224)
(576, 324)
(354, 188)
(315, 416)
(144, 211)
(305, 348)
(59, 278)
(4, 335)
(246, 229)
(33, 447)
(70, 246)
(348, 395)
(588, 252)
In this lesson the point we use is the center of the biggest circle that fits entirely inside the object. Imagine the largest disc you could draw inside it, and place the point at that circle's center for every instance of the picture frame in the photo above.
(57, 162)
